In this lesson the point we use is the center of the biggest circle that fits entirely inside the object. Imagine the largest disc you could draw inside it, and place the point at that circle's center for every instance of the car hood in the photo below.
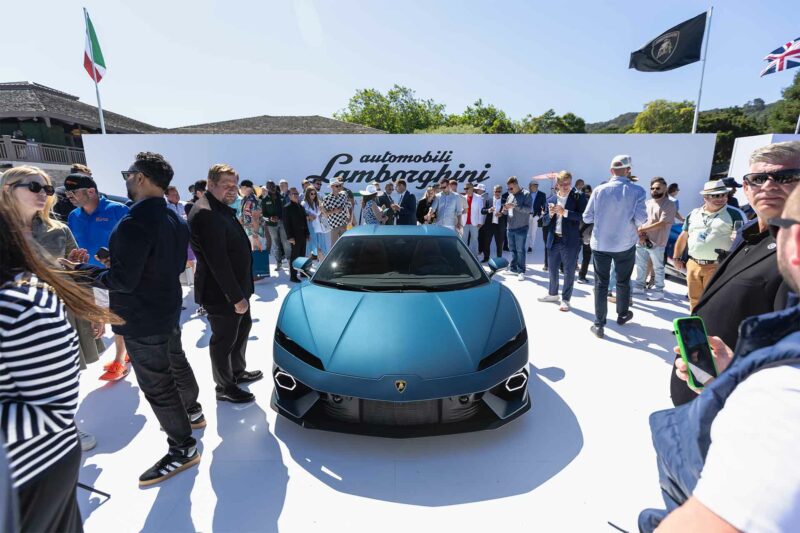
(427, 334)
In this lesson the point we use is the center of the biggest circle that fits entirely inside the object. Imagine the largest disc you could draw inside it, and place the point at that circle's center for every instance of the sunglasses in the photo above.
(128, 173)
(35, 187)
(716, 196)
(776, 224)
(780, 177)
(656, 189)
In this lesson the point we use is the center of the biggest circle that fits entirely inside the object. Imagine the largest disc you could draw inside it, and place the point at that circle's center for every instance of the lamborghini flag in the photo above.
(674, 48)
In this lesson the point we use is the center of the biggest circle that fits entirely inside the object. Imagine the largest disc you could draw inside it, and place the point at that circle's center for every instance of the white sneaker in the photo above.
(656, 295)
(87, 441)
(564, 305)
(636, 290)
(521, 276)
(550, 298)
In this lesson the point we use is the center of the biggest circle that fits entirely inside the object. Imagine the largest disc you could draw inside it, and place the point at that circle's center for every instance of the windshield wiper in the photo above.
(343, 286)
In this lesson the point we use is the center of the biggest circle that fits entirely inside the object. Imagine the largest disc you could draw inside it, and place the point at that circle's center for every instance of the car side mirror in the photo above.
(497, 263)
(303, 266)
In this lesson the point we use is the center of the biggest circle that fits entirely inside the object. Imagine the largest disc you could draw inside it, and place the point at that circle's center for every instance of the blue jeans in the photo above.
(559, 254)
(516, 244)
(623, 261)
(656, 254)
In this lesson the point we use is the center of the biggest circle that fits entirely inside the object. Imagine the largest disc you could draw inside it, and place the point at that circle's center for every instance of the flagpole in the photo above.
(702, 71)
(94, 72)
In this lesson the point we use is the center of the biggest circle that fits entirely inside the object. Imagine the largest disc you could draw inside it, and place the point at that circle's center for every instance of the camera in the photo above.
(648, 243)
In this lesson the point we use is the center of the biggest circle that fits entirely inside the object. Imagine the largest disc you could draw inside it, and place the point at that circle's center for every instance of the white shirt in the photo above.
(562, 202)
(751, 477)
(498, 206)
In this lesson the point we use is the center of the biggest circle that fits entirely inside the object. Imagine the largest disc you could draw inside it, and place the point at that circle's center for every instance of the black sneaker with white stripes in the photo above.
(197, 420)
(168, 466)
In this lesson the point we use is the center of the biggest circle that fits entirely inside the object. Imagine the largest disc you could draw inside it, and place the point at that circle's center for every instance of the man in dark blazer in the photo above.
(224, 282)
(295, 222)
(406, 207)
(747, 282)
(563, 237)
(384, 201)
(492, 207)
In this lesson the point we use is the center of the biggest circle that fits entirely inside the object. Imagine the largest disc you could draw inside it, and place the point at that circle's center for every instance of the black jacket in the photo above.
(224, 260)
(502, 220)
(385, 203)
(295, 222)
(408, 207)
(570, 226)
(746, 283)
(422, 209)
(539, 204)
(148, 253)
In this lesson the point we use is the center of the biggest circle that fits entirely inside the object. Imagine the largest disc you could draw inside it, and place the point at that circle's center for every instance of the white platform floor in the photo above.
(579, 460)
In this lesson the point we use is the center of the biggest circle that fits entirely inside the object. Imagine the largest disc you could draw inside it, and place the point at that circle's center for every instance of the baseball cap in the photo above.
(246, 183)
(731, 182)
(621, 161)
(73, 182)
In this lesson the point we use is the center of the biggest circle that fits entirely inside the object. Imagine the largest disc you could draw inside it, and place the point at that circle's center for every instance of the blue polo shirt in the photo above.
(92, 231)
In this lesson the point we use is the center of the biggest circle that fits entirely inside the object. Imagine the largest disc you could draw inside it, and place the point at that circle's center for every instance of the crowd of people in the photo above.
(70, 267)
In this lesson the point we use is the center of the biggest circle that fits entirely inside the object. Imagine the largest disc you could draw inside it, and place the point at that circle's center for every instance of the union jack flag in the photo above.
(785, 57)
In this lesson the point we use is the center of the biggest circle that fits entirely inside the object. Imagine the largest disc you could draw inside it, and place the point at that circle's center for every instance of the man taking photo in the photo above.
(653, 236)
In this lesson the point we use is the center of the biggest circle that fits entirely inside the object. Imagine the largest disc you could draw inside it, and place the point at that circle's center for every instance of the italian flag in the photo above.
(93, 60)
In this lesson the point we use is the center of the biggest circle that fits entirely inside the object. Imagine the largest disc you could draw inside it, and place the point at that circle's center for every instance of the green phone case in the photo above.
(692, 383)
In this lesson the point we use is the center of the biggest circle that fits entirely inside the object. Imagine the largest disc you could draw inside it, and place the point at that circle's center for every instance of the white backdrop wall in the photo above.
(420, 159)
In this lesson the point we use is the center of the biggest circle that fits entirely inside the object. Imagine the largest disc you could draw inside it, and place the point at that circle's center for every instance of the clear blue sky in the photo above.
(173, 63)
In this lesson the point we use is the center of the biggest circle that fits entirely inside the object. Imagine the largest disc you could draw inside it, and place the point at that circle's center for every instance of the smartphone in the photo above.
(102, 253)
(695, 350)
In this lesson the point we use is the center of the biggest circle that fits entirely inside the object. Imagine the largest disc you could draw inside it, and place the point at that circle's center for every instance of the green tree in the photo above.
(663, 116)
(549, 122)
(728, 123)
(458, 128)
(398, 111)
(783, 116)
(486, 117)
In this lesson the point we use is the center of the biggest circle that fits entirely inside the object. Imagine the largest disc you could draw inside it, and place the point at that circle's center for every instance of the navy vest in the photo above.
(681, 436)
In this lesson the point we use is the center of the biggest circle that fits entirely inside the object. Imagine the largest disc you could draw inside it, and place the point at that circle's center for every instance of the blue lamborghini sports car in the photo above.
(400, 332)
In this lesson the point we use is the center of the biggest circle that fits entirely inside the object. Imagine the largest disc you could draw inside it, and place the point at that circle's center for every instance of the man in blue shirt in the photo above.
(447, 207)
(617, 209)
(95, 217)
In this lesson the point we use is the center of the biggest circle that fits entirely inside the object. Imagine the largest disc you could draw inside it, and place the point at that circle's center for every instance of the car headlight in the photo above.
(505, 350)
(296, 350)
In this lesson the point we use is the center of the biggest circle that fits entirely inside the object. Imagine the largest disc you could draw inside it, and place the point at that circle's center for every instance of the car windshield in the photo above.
(400, 263)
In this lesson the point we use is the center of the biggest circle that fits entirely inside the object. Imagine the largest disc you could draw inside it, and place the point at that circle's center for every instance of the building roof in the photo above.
(28, 100)
(272, 124)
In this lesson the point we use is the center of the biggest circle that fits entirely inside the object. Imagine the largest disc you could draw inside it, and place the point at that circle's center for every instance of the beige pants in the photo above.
(697, 277)
(336, 233)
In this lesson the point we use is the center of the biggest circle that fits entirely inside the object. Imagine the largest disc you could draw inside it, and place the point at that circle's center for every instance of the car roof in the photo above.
(375, 229)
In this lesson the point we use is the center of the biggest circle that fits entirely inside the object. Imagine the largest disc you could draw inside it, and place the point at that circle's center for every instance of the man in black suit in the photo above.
(747, 282)
(563, 237)
(384, 201)
(494, 224)
(295, 222)
(406, 206)
(224, 282)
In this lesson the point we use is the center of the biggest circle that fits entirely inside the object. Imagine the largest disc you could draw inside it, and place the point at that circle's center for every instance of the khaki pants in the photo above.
(697, 277)
(336, 233)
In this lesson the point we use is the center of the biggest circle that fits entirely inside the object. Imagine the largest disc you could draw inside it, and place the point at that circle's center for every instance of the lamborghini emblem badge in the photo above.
(400, 385)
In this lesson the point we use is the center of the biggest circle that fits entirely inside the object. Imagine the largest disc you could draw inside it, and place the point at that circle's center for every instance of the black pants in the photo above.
(229, 333)
(47, 502)
(168, 384)
(493, 232)
(624, 262)
(298, 250)
(545, 233)
(587, 257)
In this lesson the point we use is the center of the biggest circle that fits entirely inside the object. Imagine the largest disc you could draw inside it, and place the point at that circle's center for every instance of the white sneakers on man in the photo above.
(637, 291)
(564, 306)
(656, 295)
(521, 276)
(550, 298)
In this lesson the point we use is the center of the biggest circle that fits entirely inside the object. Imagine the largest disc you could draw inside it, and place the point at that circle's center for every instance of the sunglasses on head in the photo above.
(780, 177)
(776, 224)
(35, 187)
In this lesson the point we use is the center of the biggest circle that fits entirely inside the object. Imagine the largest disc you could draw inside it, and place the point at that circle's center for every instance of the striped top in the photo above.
(38, 378)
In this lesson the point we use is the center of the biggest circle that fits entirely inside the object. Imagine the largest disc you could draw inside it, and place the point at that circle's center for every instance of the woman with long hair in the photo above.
(318, 242)
(424, 205)
(28, 192)
(39, 379)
